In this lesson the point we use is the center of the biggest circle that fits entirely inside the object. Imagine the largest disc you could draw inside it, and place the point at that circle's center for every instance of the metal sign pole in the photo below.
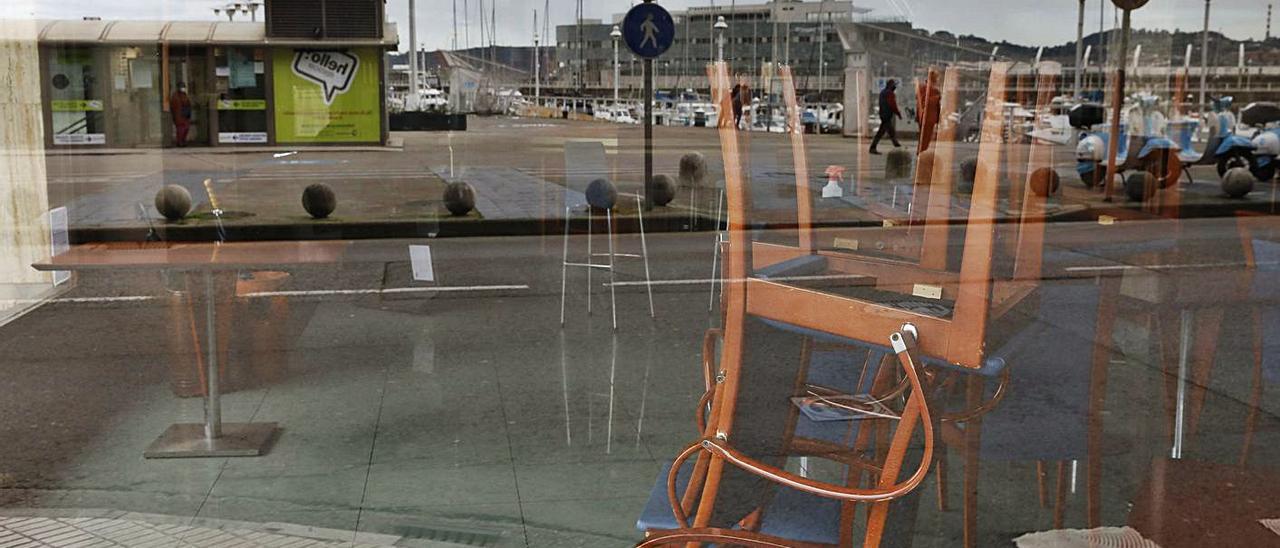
(648, 134)
(648, 30)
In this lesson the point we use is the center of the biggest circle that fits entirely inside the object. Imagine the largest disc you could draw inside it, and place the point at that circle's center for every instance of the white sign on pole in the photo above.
(59, 240)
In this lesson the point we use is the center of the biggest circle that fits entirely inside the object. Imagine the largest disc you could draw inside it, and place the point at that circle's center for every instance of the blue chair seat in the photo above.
(1044, 416)
(810, 265)
(1208, 156)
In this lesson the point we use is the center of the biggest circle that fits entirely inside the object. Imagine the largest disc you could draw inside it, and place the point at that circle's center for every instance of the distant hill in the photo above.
(1159, 47)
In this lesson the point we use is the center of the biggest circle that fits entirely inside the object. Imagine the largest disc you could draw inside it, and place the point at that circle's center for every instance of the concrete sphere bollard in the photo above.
(319, 200)
(693, 168)
(459, 198)
(897, 164)
(174, 202)
(1139, 186)
(1237, 182)
(664, 189)
(1045, 181)
(968, 174)
(601, 194)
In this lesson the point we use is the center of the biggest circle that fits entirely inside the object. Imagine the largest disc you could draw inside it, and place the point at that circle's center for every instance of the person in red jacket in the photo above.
(180, 109)
(927, 94)
(888, 110)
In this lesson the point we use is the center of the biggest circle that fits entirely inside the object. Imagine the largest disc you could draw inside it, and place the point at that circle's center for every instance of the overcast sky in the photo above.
(1028, 22)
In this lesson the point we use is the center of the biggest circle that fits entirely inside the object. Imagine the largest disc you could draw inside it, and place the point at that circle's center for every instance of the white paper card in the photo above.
(60, 241)
(420, 259)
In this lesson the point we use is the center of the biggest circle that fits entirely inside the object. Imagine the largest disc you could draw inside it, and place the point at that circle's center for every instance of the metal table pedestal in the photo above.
(212, 438)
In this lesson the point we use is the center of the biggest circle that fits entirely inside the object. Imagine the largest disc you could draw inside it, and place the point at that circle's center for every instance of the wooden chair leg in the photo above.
(1164, 328)
(1040, 487)
(972, 447)
(1102, 351)
(1208, 324)
(1060, 496)
(1255, 397)
(883, 381)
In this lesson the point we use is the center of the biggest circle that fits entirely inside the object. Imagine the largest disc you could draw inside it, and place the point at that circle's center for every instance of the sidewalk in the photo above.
(518, 172)
(394, 144)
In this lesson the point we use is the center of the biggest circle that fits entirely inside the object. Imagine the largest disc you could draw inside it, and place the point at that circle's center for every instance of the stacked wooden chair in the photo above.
(819, 320)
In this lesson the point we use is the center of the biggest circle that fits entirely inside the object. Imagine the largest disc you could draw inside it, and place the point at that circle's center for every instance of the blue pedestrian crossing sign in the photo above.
(648, 30)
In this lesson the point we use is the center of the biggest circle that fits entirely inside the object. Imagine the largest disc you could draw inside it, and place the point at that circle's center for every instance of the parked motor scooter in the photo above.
(1266, 142)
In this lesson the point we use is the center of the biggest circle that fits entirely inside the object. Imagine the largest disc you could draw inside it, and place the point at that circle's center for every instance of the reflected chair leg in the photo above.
(941, 455)
(1103, 344)
(972, 446)
(195, 338)
(1162, 327)
(591, 258)
(693, 214)
(1185, 325)
(613, 297)
(715, 255)
(1255, 397)
(213, 396)
(1208, 325)
(1060, 496)
(1040, 487)
(644, 250)
(564, 265)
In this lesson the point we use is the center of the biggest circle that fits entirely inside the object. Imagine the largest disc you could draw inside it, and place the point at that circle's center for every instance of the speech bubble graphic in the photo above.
(332, 70)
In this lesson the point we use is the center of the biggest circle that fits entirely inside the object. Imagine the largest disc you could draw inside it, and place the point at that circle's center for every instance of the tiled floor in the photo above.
(70, 530)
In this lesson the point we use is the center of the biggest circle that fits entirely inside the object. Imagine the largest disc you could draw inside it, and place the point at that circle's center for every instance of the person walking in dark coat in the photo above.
(736, 96)
(888, 110)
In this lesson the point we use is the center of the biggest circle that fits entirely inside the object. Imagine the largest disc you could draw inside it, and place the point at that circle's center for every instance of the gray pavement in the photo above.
(515, 165)
(505, 193)
(472, 412)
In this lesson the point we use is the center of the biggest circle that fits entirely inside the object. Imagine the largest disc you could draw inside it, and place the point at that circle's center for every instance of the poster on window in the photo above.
(240, 69)
(327, 96)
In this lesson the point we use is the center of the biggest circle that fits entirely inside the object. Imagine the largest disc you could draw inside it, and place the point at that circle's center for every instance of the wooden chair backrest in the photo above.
(977, 292)
(958, 340)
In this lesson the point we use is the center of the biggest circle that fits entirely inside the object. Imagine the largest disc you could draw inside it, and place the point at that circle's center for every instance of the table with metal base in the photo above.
(213, 438)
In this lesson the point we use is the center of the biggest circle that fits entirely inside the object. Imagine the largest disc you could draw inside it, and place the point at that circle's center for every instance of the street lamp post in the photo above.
(1204, 56)
(720, 27)
(1117, 99)
(414, 97)
(537, 69)
(1079, 46)
(615, 34)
